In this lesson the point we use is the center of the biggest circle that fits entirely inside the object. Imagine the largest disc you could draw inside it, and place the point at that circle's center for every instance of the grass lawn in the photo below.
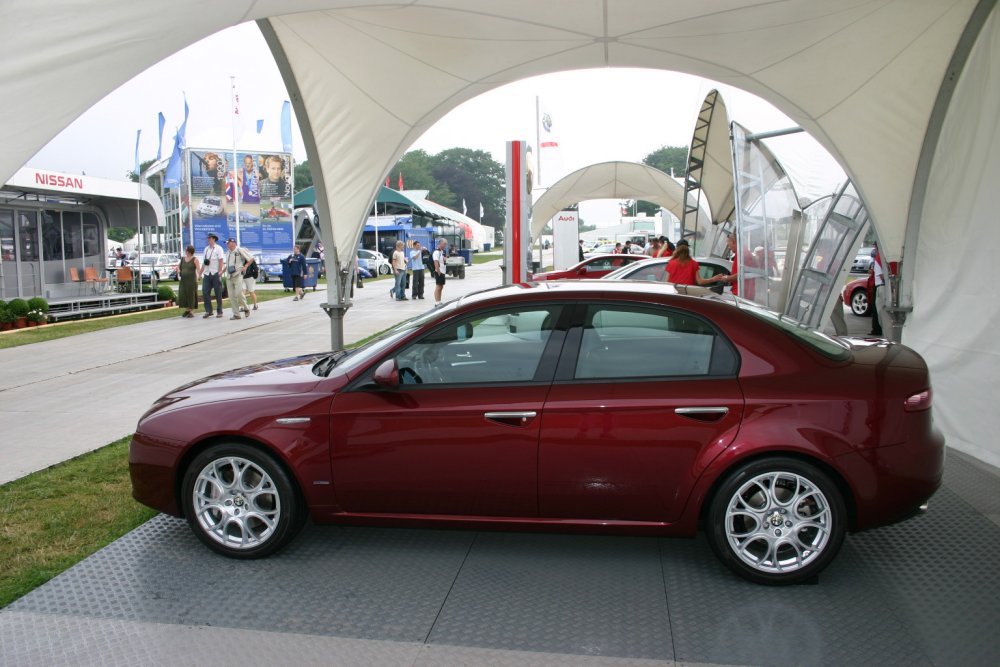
(56, 517)
(62, 329)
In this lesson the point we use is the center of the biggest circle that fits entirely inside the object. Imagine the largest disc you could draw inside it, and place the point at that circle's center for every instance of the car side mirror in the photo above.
(387, 374)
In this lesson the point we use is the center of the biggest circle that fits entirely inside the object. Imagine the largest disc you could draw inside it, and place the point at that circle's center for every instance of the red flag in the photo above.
(400, 180)
(387, 182)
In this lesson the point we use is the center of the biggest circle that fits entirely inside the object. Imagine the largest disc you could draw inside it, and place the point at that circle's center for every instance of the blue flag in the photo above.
(138, 133)
(172, 177)
(286, 127)
(260, 125)
(159, 144)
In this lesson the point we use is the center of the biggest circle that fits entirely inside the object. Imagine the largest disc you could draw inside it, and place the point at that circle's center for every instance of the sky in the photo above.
(597, 116)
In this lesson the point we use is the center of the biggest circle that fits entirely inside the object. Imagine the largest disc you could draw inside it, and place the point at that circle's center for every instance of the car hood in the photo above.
(284, 376)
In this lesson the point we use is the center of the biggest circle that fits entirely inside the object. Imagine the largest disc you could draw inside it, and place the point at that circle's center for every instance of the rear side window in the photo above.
(816, 340)
(620, 341)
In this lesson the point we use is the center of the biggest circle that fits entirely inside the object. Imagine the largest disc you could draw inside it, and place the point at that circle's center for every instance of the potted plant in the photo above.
(36, 318)
(165, 293)
(39, 304)
(20, 309)
(6, 318)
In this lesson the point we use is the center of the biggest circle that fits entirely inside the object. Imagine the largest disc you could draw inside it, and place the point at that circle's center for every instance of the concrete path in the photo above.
(61, 398)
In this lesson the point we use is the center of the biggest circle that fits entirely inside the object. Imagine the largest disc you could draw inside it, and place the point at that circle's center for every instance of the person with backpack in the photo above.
(250, 275)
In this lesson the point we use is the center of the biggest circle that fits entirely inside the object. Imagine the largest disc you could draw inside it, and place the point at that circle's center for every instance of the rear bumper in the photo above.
(892, 483)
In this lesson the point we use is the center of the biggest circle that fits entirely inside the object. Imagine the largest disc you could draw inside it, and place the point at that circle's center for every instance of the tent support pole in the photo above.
(336, 314)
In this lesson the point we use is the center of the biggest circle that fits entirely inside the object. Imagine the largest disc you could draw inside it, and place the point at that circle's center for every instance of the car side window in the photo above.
(707, 270)
(654, 273)
(499, 346)
(626, 342)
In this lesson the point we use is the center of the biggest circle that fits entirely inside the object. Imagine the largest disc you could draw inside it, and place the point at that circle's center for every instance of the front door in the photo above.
(460, 434)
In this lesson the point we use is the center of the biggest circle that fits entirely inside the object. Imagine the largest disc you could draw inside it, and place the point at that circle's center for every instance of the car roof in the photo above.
(580, 289)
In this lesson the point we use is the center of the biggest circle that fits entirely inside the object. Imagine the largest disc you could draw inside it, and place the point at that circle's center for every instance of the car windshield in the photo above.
(816, 340)
(147, 259)
(376, 346)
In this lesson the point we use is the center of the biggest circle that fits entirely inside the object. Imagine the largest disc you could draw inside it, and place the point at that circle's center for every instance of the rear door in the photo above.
(642, 397)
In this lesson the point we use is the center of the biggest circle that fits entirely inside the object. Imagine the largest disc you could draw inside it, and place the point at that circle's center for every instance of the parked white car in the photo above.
(374, 262)
(210, 206)
(163, 265)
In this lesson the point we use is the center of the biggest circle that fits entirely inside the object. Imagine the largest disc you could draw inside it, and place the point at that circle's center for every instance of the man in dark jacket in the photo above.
(297, 270)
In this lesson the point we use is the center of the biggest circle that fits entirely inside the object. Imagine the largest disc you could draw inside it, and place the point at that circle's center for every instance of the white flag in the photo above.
(481, 212)
(548, 159)
(465, 211)
(546, 137)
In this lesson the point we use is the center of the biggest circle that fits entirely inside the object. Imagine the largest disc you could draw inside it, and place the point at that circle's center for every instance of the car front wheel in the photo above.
(859, 302)
(240, 502)
(777, 521)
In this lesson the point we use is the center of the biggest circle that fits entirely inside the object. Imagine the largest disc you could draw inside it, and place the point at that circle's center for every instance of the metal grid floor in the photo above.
(923, 592)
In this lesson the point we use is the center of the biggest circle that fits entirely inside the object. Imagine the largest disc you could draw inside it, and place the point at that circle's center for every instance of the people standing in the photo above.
(579, 248)
(297, 270)
(683, 270)
(417, 271)
(211, 276)
(399, 272)
(250, 281)
(187, 290)
(237, 260)
(879, 282)
(440, 260)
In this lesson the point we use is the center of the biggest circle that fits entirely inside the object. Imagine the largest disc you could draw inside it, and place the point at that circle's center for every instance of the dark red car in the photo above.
(858, 295)
(574, 405)
(597, 266)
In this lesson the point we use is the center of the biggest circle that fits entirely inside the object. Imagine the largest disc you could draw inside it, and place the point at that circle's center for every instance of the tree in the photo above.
(143, 166)
(671, 160)
(303, 176)
(667, 158)
(475, 177)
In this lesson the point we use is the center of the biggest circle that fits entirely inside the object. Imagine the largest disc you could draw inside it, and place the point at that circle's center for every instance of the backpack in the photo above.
(252, 271)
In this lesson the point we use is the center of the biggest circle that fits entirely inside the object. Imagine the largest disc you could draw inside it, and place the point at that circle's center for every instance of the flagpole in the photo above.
(236, 196)
(538, 140)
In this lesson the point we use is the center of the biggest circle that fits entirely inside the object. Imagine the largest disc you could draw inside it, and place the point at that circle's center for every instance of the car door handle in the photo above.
(704, 414)
(512, 418)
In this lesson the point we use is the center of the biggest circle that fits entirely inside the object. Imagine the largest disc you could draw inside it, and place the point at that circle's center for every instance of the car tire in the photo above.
(859, 302)
(777, 521)
(240, 502)
(384, 270)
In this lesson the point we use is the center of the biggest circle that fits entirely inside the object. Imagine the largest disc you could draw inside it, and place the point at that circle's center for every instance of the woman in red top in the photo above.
(682, 270)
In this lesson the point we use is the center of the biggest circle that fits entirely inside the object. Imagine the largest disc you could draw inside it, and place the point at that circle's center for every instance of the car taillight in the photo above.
(917, 402)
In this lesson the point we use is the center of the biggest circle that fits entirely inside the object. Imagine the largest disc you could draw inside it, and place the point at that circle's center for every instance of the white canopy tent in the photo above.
(608, 180)
(882, 84)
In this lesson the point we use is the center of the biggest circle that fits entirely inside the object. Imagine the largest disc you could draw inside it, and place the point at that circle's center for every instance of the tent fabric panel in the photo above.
(954, 321)
(608, 180)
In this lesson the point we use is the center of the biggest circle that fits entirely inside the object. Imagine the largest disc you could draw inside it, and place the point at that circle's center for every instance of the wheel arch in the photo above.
(850, 503)
(200, 446)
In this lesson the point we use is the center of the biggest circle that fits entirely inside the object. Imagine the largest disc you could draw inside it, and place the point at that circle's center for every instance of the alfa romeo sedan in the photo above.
(572, 405)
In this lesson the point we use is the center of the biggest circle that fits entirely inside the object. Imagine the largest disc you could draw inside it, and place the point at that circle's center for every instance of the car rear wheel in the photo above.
(859, 302)
(240, 502)
(384, 269)
(777, 521)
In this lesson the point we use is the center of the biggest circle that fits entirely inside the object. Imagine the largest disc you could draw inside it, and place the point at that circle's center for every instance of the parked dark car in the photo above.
(270, 266)
(570, 405)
